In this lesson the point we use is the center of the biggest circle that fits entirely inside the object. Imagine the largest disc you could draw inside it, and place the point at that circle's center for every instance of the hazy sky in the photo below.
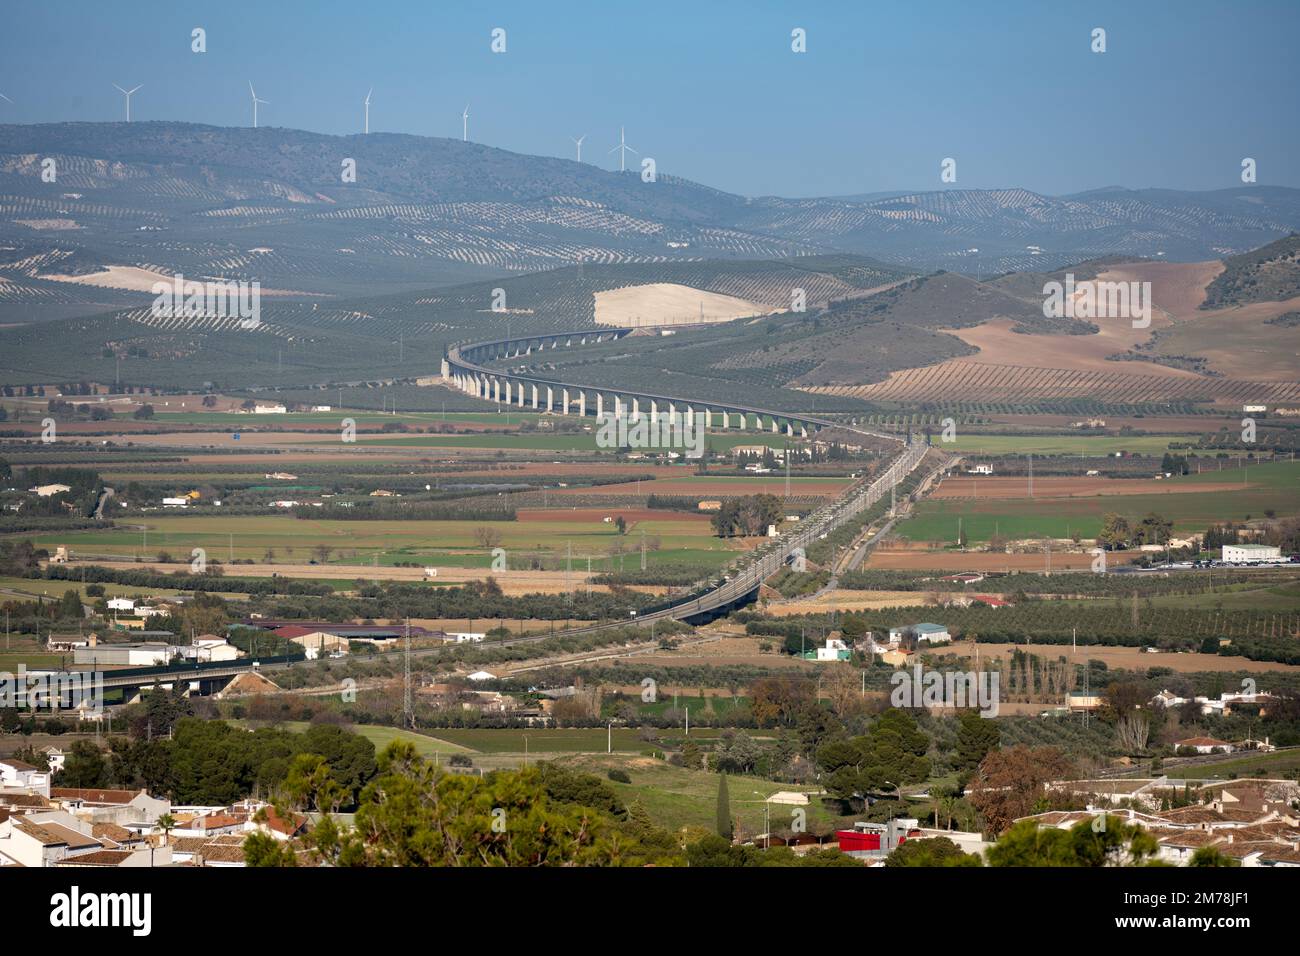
(711, 89)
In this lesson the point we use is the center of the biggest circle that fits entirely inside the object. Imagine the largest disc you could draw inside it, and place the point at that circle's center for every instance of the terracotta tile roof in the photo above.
(281, 825)
(29, 801)
(54, 834)
(111, 831)
(222, 853)
(1233, 814)
(1201, 742)
(217, 820)
(1281, 853)
(1192, 814)
(187, 844)
(1191, 838)
(97, 858)
(1239, 851)
(94, 796)
(18, 764)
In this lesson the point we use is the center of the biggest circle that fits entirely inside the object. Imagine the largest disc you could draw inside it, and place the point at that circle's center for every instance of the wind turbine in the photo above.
(464, 130)
(127, 94)
(5, 98)
(253, 93)
(372, 89)
(623, 149)
(578, 141)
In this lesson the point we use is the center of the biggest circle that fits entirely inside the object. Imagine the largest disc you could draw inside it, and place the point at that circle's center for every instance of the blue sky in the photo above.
(710, 88)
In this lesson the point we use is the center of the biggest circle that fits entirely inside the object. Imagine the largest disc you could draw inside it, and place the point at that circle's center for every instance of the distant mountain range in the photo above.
(273, 205)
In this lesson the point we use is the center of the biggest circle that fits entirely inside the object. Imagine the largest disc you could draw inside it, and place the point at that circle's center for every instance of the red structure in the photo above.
(875, 837)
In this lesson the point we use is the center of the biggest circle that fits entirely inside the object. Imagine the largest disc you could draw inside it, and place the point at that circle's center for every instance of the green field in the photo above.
(390, 541)
(1280, 764)
(675, 797)
(1274, 486)
(977, 444)
(382, 736)
(10, 661)
(541, 740)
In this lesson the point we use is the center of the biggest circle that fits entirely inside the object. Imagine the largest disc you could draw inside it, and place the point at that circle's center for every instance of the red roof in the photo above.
(290, 631)
(94, 796)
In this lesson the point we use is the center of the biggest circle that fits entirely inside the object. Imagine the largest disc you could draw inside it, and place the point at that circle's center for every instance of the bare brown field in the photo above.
(1130, 658)
(771, 484)
(977, 381)
(135, 279)
(1239, 342)
(962, 487)
(841, 600)
(917, 559)
(1177, 288)
(667, 303)
(729, 650)
(1254, 361)
(630, 515)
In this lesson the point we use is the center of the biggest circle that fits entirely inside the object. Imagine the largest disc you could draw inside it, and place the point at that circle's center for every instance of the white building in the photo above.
(124, 655)
(15, 774)
(925, 634)
(121, 604)
(270, 410)
(1247, 553)
(835, 650)
(321, 642)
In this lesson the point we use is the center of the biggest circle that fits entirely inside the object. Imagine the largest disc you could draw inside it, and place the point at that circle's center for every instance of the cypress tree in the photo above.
(724, 809)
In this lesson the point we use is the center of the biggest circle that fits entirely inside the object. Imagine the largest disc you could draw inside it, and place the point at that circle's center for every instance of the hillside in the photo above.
(271, 205)
(1268, 274)
(386, 337)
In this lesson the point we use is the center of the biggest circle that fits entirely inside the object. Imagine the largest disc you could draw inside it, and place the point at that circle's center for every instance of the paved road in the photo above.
(103, 503)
